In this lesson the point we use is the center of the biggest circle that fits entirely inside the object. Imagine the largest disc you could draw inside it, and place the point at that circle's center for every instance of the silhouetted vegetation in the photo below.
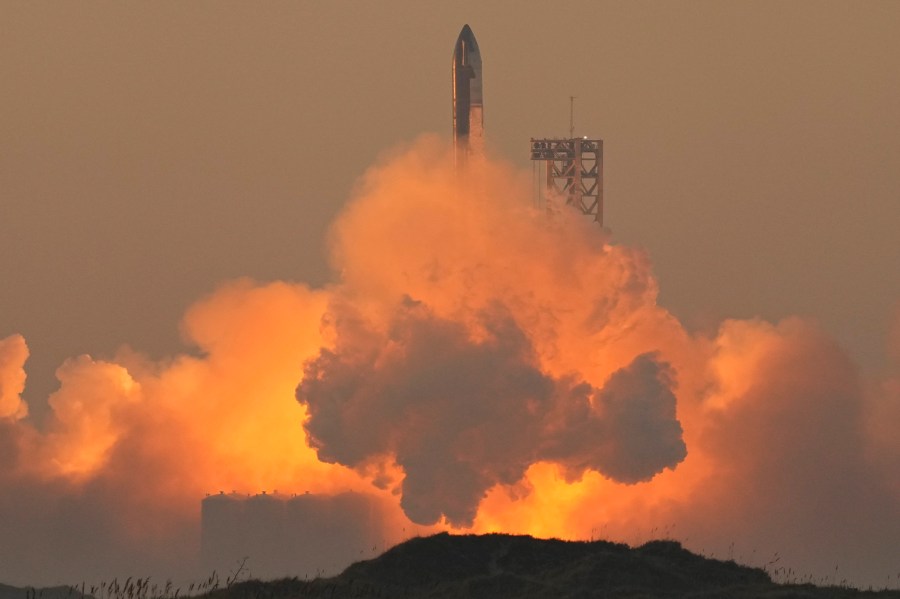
(497, 567)
(500, 566)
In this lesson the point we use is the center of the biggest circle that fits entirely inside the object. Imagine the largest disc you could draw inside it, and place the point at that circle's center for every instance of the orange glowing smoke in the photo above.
(13, 353)
(161, 435)
(782, 451)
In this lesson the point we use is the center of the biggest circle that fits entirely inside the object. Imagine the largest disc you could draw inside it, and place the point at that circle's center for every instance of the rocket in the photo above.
(468, 107)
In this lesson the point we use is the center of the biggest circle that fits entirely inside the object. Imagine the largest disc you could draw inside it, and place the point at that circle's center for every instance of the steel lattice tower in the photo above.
(573, 170)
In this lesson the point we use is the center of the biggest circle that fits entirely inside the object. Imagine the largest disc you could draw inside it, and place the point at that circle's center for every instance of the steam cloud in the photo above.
(472, 364)
(461, 415)
(13, 353)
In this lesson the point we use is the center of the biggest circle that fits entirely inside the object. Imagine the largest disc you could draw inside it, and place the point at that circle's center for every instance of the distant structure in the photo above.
(280, 535)
(572, 170)
(468, 102)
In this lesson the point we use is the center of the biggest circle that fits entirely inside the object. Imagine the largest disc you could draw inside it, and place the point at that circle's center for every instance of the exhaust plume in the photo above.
(474, 366)
(461, 415)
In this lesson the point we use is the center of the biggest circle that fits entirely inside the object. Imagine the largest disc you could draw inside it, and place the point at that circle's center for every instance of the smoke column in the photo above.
(473, 366)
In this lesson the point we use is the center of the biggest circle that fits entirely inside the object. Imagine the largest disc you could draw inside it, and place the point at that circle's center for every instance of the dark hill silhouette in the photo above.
(505, 566)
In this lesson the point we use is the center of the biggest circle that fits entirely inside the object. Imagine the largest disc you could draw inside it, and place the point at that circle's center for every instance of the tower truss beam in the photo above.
(574, 171)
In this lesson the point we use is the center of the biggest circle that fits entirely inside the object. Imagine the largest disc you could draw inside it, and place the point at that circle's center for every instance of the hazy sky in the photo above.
(150, 152)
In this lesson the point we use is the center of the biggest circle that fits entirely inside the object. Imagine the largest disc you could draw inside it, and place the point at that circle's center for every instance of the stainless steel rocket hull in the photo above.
(468, 106)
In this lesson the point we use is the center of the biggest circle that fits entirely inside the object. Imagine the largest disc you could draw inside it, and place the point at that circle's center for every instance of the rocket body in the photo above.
(468, 106)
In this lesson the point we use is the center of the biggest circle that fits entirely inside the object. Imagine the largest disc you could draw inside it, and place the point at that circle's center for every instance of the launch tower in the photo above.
(572, 170)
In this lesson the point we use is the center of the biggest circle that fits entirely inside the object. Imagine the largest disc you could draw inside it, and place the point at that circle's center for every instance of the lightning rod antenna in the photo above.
(573, 169)
(571, 117)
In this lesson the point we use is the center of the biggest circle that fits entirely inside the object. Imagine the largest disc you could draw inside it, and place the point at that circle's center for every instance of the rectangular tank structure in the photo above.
(222, 543)
(574, 171)
(305, 535)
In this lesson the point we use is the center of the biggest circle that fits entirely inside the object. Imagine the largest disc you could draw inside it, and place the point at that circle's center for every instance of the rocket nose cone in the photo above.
(466, 46)
(466, 36)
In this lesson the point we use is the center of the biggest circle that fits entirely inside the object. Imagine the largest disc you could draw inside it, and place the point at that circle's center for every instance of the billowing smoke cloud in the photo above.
(110, 484)
(472, 363)
(627, 431)
(461, 415)
(13, 353)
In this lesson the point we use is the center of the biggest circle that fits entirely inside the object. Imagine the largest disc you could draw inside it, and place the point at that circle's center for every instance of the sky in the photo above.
(154, 150)
(151, 153)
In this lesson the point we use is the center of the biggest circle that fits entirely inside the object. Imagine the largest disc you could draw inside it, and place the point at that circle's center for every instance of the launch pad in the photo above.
(312, 534)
